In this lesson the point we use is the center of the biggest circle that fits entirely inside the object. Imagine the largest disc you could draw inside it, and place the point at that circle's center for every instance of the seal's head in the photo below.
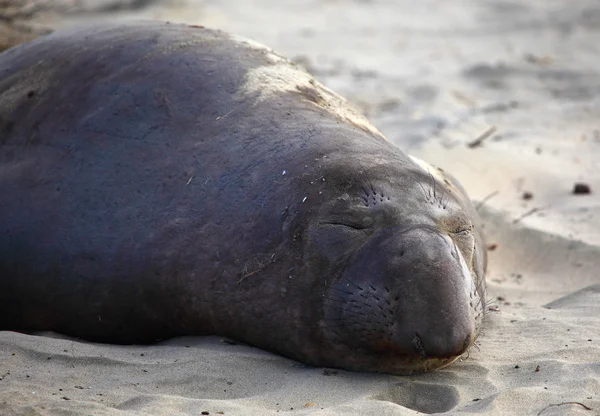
(404, 255)
(388, 249)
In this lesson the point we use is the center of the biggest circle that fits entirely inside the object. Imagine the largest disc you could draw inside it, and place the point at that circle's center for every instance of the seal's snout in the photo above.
(435, 312)
(408, 297)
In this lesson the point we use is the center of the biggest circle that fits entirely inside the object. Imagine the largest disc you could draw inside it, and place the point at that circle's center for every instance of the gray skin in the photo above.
(159, 180)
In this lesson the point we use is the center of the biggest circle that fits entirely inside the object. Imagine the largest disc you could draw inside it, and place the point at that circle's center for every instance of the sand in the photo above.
(523, 77)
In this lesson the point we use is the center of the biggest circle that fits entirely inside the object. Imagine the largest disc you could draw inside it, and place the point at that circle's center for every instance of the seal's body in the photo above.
(159, 180)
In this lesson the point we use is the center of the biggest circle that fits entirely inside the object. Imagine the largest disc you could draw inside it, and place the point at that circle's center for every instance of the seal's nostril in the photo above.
(418, 343)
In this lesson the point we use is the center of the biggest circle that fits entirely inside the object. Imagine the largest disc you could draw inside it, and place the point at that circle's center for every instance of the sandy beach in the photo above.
(503, 94)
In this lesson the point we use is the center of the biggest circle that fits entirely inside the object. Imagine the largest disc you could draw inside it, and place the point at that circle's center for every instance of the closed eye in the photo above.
(345, 224)
(465, 241)
(464, 230)
(356, 224)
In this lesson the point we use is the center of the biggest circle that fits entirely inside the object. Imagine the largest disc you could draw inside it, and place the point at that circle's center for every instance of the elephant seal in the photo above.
(159, 180)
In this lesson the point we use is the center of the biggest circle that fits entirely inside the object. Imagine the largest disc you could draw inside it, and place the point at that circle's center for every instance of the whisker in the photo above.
(341, 290)
(433, 181)
(424, 191)
(366, 179)
(443, 205)
(486, 199)
(357, 286)
(365, 191)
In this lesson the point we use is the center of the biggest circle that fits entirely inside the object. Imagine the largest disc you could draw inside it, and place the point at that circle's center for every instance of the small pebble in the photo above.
(581, 189)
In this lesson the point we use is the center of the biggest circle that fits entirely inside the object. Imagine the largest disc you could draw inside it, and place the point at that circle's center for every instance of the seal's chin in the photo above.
(408, 304)
(417, 367)
(432, 364)
(391, 364)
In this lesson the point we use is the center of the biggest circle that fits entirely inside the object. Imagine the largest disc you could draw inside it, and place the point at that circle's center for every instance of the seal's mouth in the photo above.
(418, 343)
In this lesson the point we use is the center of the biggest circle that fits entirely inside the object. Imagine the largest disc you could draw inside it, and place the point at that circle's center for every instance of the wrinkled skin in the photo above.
(155, 183)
